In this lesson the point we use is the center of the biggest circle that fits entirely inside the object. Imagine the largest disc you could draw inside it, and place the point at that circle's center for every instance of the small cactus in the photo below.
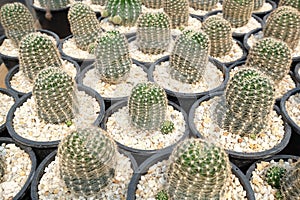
(161, 195)
(189, 57)
(290, 184)
(206, 5)
(178, 11)
(54, 4)
(153, 32)
(273, 176)
(155, 4)
(167, 127)
(99, 2)
(258, 4)
(292, 3)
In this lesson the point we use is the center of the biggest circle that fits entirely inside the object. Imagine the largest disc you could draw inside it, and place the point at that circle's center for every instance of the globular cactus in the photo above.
(189, 57)
(220, 35)
(53, 92)
(206, 5)
(54, 4)
(290, 184)
(274, 175)
(155, 4)
(271, 56)
(238, 12)
(87, 158)
(293, 3)
(197, 170)
(283, 24)
(162, 195)
(147, 106)
(84, 25)
(153, 32)
(167, 127)
(113, 62)
(178, 11)
(99, 2)
(36, 52)
(17, 21)
(258, 4)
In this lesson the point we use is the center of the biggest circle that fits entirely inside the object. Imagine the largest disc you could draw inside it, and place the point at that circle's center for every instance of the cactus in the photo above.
(17, 21)
(155, 4)
(2, 167)
(153, 32)
(178, 11)
(207, 5)
(167, 127)
(36, 52)
(189, 57)
(53, 92)
(194, 164)
(283, 24)
(220, 35)
(258, 4)
(238, 12)
(162, 195)
(147, 106)
(112, 57)
(292, 3)
(99, 2)
(271, 56)
(87, 158)
(84, 25)
(54, 4)
(290, 184)
(274, 175)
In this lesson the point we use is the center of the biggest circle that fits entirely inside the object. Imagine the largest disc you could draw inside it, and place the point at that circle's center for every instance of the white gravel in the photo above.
(204, 12)
(6, 103)
(70, 49)
(266, 7)
(293, 108)
(235, 53)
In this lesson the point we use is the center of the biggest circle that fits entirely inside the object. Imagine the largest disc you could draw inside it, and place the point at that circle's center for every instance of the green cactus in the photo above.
(113, 62)
(84, 25)
(290, 184)
(155, 4)
(237, 12)
(207, 5)
(37, 52)
(17, 21)
(54, 4)
(195, 163)
(283, 24)
(162, 195)
(271, 56)
(153, 32)
(167, 127)
(87, 158)
(189, 57)
(99, 2)
(258, 4)
(220, 35)
(273, 176)
(147, 106)
(292, 3)
(178, 11)
(53, 92)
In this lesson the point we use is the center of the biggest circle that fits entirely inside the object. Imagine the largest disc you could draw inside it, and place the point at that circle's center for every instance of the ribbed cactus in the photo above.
(147, 106)
(87, 158)
(36, 52)
(220, 35)
(197, 170)
(113, 62)
(274, 175)
(54, 93)
(17, 21)
(178, 11)
(99, 2)
(189, 57)
(167, 127)
(54, 4)
(290, 184)
(2, 167)
(271, 56)
(155, 4)
(153, 32)
(238, 12)
(293, 3)
(203, 4)
(258, 4)
(84, 25)
(162, 195)
(283, 24)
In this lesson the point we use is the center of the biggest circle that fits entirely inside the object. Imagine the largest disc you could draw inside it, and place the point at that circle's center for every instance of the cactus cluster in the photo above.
(155, 4)
(53, 92)
(237, 12)
(178, 11)
(220, 35)
(17, 21)
(147, 106)
(36, 52)
(113, 62)
(84, 25)
(283, 24)
(293, 3)
(54, 4)
(290, 184)
(99, 2)
(274, 175)
(153, 32)
(87, 158)
(258, 4)
(189, 57)
(203, 4)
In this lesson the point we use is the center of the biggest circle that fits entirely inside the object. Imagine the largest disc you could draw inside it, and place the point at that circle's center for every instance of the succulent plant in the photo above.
(178, 11)
(99, 2)
(17, 21)
(203, 4)
(53, 92)
(113, 62)
(147, 106)
(36, 52)
(189, 57)
(220, 35)
(153, 32)
(167, 127)
(155, 4)
(283, 24)
(238, 12)
(54, 4)
(290, 184)
(293, 3)
(84, 25)
(197, 170)
(162, 195)
(274, 175)
(271, 56)
(87, 158)
(258, 4)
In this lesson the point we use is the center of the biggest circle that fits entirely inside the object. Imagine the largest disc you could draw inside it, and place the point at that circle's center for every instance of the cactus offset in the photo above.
(292, 3)
(162, 195)
(99, 2)
(167, 127)
(54, 4)
(178, 11)
(155, 4)
(274, 175)
(258, 4)
(207, 5)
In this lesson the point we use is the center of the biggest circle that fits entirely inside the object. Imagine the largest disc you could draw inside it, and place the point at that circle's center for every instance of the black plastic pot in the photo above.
(297, 73)
(41, 171)
(144, 167)
(42, 149)
(262, 14)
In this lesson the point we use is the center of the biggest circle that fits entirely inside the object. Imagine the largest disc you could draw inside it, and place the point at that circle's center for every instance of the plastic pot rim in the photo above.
(14, 96)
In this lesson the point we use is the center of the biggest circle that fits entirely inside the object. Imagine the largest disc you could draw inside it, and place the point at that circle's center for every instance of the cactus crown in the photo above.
(17, 21)
(113, 62)
(147, 105)
(274, 175)
(87, 158)
(99, 2)
(155, 4)
(153, 32)
(36, 52)
(54, 4)
(193, 164)
(178, 11)
(292, 3)
(203, 4)
(53, 92)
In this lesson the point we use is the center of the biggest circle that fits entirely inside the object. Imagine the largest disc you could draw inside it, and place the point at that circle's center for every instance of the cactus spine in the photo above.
(178, 11)
(203, 4)
(54, 4)
(155, 4)
(274, 175)
(258, 4)
(292, 3)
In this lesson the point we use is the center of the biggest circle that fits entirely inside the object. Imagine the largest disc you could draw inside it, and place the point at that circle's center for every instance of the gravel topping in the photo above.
(70, 49)
(6, 103)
